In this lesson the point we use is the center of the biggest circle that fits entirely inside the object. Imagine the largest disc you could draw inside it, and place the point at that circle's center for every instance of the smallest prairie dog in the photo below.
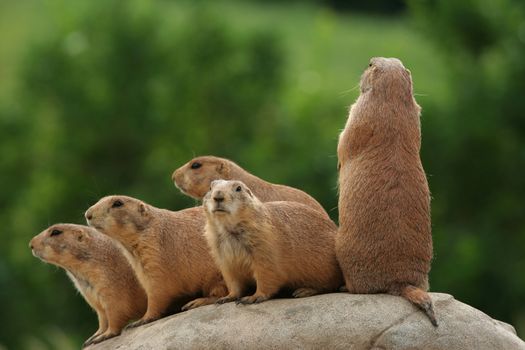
(194, 179)
(166, 248)
(384, 243)
(99, 271)
(274, 244)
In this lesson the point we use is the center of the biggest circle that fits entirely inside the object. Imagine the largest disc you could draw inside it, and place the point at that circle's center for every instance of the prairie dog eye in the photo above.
(370, 65)
(55, 232)
(117, 203)
(196, 165)
(238, 189)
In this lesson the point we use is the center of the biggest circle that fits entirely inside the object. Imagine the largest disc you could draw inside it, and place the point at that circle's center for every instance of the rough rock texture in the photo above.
(330, 321)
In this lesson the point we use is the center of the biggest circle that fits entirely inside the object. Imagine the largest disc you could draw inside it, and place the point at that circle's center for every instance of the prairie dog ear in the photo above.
(249, 192)
(80, 236)
(143, 209)
(220, 167)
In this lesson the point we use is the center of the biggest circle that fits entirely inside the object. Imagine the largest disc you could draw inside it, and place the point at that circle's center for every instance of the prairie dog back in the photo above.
(195, 177)
(384, 242)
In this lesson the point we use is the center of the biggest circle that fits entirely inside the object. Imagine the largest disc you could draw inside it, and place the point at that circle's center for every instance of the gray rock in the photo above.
(330, 321)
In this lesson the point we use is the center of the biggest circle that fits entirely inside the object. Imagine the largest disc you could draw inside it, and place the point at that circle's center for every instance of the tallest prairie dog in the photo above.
(384, 243)
(194, 179)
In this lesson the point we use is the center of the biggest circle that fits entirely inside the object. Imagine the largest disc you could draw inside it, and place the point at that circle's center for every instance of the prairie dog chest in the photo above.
(85, 288)
(233, 248)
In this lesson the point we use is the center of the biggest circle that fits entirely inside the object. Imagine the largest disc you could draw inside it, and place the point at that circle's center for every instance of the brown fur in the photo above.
(167, 250)
(384, 243)
(99, 271)
(274, 244)
(196, 182)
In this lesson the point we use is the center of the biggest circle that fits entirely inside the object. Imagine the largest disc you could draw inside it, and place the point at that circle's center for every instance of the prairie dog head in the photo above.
(387, 77)
(194, 178)
(120, 217)
(228, 200)
(64, 245)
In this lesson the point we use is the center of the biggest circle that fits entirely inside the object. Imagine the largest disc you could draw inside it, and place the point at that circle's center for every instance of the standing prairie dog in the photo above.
(167, 250)
(99, 271)
(274, 244)
(384, 243)
(194, 179)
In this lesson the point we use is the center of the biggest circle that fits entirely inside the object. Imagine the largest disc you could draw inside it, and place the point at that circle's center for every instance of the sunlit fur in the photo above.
(167, 250)
(273, 245)
(384, 242)
(99, 271)
(196, 182)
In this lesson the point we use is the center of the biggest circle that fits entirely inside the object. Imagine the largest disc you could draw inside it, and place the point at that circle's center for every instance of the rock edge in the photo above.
(329, 321)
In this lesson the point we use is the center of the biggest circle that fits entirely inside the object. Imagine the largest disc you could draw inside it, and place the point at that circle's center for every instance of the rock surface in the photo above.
(330, 321)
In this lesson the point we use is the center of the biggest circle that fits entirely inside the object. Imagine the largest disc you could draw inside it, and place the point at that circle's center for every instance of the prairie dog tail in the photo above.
(420, 298)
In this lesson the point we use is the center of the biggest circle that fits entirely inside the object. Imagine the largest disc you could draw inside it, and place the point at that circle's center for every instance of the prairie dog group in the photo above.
(384, 242)
(135, 260)
(272, 245)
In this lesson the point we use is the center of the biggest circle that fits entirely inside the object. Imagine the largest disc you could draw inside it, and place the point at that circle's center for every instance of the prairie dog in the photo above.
(194, 179)
(98, 270)
(273, 244)
(166, 248)
(384, 243)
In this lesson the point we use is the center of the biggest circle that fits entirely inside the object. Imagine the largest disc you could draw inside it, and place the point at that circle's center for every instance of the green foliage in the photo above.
(377, 6)
(475, 152)
(112, 96)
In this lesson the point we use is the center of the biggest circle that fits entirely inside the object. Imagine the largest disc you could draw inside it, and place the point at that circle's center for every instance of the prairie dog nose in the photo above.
(218, 196)
(174, 176)
(88, 215)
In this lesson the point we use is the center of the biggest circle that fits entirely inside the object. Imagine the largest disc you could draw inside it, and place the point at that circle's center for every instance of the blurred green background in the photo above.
(102, 97)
